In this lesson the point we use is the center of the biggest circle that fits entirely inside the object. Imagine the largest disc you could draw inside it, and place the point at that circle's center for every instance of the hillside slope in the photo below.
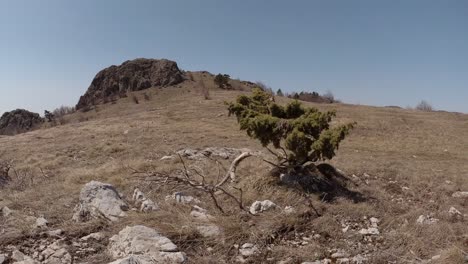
(406, 163)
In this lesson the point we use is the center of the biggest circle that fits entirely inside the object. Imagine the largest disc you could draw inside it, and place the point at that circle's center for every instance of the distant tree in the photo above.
(49, 116)
(329, 96)
(279, 93)
(424, 106)
(302, 134)
(222, 81)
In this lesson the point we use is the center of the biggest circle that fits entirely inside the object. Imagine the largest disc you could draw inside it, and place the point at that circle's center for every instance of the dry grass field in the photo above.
(405, 163)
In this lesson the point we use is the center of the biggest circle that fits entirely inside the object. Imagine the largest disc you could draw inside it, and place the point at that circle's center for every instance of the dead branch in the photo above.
(231, 173)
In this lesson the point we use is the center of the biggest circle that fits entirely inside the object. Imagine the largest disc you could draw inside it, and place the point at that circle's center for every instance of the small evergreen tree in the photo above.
(279, 93)
(222, 81)
(302, 134)
(49, 116)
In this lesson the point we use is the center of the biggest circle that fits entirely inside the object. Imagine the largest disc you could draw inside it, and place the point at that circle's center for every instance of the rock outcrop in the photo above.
(99, 200)
(19, 121)
(133, 75)
(144, 244)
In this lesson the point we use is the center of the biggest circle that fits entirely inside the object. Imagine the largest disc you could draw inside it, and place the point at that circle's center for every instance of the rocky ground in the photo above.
(101, 188)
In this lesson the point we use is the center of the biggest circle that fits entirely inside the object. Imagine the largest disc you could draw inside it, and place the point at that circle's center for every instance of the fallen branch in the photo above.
(231, 173)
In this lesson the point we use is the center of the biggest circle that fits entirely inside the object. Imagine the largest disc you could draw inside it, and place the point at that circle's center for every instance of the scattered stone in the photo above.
(55, 233)
(262, 206)
(99, 200)
(180, 197)
(460, 195)
(41, 222)
(426, 220)
(56, 253)
(6, 211)
(248, 249)
(145, 204)
(144, 241)
(454, 213)
(200, 214)
(215, 152)
(340, 254)
(374, 221)
(289, 210)
(134, 259)
(98, 236)
(209, 230)
(21, 258)
(369, 231)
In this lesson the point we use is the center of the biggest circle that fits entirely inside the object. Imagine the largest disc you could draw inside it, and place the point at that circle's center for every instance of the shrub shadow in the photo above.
(323, 179)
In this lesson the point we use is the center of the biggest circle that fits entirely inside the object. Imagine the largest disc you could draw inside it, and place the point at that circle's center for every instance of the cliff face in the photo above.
(19, 121)
(133, 75)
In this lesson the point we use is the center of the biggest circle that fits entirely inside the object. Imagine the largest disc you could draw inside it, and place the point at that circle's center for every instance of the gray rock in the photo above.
(369, 231)
(20, 258)
(454, 213)
(134, 259)
(144, 241)
(426, 220)
(99, 200)
(98, 236)
(3, 258)
(215, 152)
(181, 197)
(248, 249)
(262, 206)
(200, 214)
(209, 230)
(41, 222)
(460, 195)
(55, 233)
(6, 212)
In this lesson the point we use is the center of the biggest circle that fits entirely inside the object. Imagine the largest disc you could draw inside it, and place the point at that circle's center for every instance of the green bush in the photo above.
(300, 134)
(222, 81)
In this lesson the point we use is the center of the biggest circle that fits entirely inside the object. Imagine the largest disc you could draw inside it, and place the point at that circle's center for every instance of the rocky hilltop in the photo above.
(132, 75)
(19, 121)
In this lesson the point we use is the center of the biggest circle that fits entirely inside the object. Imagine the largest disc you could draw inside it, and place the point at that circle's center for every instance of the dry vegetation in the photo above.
(406, 163)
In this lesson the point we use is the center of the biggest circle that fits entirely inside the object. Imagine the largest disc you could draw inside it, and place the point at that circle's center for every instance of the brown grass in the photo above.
(395, 148)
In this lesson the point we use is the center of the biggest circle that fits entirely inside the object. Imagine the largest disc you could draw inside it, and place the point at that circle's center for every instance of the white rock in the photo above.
(180, 197)
(55, 233)
(454, 213)
(200, 214)
(289, 210)
(374, 221)
(138, 196)
(262, 206)
(134, 259)
(99, 200)
(340, 254)
(98, 236)
(460, 195)
(144, 241)
(369, 231)
(248, 249)
(148, 205)
(21, 258)
(2, 258)
(426, 220)
(41, 222)
(6, 211)
(209, 230)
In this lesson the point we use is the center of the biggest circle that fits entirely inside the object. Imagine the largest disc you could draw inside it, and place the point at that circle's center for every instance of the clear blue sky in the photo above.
(369, 52)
